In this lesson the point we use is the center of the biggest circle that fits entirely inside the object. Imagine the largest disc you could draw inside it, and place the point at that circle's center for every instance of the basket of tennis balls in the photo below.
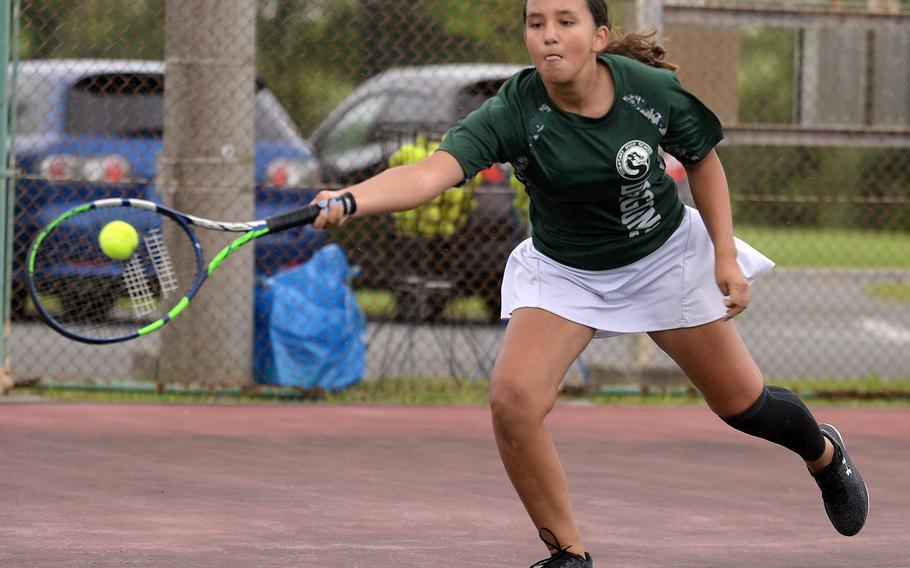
(448, 213)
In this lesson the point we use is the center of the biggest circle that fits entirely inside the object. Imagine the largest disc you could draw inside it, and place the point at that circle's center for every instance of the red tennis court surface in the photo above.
(256, 486)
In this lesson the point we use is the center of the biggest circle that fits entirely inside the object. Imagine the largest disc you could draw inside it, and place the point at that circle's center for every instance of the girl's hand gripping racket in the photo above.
(117, 269)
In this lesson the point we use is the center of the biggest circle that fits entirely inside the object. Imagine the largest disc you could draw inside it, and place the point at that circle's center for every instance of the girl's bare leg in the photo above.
(537, 350)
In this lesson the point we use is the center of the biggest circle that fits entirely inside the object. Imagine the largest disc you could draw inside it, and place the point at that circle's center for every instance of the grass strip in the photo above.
(424, 391)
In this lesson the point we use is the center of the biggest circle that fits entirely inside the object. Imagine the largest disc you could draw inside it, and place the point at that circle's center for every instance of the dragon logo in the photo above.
(633, 161)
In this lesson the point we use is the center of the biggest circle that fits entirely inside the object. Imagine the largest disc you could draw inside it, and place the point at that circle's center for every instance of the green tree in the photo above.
(490, 30)
(92, 28)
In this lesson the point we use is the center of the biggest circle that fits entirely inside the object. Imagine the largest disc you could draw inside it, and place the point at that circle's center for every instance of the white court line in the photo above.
(886, 330)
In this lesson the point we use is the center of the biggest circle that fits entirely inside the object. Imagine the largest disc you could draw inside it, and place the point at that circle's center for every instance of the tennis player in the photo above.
(613, 250)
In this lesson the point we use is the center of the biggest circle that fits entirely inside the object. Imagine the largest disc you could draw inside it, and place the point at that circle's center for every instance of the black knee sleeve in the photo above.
(779, 416)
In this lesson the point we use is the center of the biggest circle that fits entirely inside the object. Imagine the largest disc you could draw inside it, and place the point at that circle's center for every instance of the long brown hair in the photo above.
(640, 46)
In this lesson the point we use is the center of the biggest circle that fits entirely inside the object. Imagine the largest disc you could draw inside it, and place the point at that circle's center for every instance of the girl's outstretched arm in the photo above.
(396, 189)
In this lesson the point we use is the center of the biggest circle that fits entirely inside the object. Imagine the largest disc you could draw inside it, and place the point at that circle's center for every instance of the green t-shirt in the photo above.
(600, 196)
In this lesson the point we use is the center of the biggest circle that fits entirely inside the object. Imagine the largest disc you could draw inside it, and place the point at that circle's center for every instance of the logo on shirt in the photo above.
(537, 123)
(636, 204)
(634, 160)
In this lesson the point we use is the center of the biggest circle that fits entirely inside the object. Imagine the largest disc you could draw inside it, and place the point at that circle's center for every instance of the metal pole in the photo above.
(8, 188)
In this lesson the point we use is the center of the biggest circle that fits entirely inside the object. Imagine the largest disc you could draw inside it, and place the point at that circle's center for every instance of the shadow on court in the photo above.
(262, 486)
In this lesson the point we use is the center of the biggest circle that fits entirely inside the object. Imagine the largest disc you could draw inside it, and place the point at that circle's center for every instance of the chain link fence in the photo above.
(266, 102)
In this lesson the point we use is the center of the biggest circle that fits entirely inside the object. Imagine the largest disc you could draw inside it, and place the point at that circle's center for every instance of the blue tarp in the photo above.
(310, 330)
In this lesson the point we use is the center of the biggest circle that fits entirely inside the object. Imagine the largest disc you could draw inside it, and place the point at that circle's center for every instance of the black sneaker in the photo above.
(843, 489)
(562, 558)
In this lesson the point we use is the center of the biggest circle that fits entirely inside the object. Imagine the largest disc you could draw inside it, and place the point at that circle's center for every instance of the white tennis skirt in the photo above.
(672, 287)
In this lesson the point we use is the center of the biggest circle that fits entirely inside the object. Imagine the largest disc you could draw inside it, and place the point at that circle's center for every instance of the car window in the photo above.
(116, 105)
(355, 127)
(132, 105)
(471, 97)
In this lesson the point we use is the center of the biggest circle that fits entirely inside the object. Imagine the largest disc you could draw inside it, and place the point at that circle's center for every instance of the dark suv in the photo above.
(356, 140)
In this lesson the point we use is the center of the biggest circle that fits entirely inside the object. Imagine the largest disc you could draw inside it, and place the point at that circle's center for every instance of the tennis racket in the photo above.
(87, 295)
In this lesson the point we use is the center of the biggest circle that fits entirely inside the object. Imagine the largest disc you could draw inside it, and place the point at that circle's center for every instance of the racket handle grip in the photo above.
(308, 214)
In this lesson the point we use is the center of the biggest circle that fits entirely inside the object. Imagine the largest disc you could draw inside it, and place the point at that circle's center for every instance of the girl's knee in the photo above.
(512, 402)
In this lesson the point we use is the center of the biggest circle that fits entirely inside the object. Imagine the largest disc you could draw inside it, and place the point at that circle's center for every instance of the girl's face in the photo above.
(562, 38)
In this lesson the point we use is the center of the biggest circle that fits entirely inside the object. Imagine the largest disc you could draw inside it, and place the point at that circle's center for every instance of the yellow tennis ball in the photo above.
(432, 214)
(118, 240)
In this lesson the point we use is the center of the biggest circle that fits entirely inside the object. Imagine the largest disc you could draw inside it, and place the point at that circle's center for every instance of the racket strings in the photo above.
(138, 288)
(161, 260)
(96, 296)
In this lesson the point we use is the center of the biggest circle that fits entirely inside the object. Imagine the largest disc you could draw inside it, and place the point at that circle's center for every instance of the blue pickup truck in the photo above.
(90, 129)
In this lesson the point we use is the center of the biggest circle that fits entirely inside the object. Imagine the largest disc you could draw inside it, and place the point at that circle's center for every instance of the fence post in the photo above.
(890, 79)
(207, 169)
(7, 180)
(648, 16)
